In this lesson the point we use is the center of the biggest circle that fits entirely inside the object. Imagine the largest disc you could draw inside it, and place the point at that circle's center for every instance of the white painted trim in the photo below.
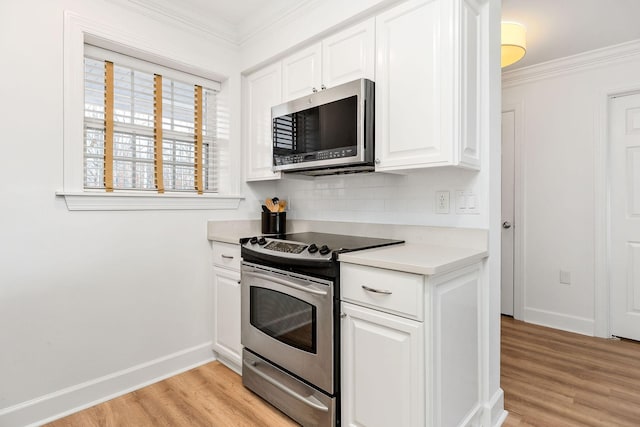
(519, 212)
(77, 31)
(579, 325)
(94, 201)
(56, 405)
(602, 309)
(583, 61)
(495, 415)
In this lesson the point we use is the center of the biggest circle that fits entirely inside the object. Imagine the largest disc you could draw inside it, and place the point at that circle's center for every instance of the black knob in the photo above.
(312, 248)
(253, 240)
(324, 249)
(262, 241)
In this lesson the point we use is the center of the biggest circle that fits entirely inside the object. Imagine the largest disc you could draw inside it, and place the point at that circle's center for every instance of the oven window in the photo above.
(283, 317)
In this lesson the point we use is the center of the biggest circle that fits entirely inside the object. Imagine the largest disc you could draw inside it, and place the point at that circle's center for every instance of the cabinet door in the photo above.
(349, 55)
(226, 316)
(263, 91)
(408, 81)
(383, 373)
(301, 73)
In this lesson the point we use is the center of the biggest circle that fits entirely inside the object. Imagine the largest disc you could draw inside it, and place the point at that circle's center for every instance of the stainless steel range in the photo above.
(290, 321)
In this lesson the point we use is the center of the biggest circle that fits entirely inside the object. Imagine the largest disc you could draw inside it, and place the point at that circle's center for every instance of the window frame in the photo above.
(79, 31)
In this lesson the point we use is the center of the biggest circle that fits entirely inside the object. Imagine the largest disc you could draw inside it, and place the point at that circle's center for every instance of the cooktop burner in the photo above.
(310, 246)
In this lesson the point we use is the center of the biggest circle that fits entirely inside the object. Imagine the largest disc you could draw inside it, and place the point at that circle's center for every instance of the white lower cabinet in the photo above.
(382, 369)
(411, 347)
(226, 332)
(226, 305)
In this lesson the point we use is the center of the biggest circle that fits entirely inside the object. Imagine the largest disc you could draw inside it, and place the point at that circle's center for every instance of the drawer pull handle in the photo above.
(226, 256)
(377, 291)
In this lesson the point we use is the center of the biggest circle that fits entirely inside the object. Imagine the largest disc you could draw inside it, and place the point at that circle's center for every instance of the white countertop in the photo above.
(428, 251)
(416, 258)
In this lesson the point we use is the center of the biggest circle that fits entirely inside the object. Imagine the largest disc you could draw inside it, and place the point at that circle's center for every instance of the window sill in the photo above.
(129, 201)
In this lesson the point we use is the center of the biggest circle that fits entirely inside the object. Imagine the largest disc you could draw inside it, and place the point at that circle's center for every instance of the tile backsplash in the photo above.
(383, 197)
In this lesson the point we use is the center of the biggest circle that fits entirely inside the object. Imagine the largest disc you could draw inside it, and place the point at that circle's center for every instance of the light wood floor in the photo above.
(556, 378)
(550, 378)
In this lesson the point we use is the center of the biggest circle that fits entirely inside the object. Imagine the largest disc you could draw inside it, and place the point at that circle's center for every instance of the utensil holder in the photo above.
(274, 222)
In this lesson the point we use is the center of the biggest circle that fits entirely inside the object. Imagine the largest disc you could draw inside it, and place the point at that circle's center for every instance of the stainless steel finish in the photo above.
(336, 171)
(226, 256)
(304, 404)
(358, 88)
(315, 368)
(285, 283)
(284, 255)
(377, 291)
(506, 224)
(253, 366)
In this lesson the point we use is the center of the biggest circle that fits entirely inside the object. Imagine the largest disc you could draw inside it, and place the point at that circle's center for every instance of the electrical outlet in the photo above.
(442, 202)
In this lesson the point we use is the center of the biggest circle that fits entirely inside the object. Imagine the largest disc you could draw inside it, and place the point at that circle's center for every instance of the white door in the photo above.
(382, 369)
(508, 175)
(349, 55)
(625, 216)
(301, 73)
(226, 325)
(263, 92)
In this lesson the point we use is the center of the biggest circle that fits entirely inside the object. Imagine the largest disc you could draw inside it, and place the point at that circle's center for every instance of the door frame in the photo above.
(602, 209)
(518, 209)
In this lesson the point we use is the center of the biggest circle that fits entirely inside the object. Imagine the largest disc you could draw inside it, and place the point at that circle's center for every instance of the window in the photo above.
(140, 155)
(146, 127)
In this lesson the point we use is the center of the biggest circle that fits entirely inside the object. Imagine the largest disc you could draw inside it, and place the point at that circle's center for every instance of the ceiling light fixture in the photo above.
(514, 43)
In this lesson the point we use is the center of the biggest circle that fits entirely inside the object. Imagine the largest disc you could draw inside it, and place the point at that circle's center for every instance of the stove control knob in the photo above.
(262, 241)
(324, 249)
(312, 248)
(253, 240)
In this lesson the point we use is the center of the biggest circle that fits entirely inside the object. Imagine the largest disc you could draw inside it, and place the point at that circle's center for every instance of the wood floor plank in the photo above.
(550, 378)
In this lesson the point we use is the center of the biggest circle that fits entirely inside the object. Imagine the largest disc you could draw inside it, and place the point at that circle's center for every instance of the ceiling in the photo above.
(555, 28)
(559, 28)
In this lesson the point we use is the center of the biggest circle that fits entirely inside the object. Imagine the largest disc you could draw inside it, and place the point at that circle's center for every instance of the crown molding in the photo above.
(570, 64)
(217, 28)
(252, 26)
(258, 23)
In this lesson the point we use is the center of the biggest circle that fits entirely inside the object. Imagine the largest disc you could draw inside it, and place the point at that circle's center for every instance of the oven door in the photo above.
(287, 318)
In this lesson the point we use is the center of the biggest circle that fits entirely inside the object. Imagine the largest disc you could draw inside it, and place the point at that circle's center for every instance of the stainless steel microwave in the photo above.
(326, 132)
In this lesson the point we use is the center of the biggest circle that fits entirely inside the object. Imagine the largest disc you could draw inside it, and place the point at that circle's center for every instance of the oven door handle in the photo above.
(316, 405)
(284, 283)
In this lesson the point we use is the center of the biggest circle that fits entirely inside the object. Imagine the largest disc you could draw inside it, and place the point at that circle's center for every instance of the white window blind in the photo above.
(163, 135)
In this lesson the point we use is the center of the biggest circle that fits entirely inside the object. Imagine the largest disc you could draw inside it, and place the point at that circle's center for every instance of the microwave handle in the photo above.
(284, 283)
(254, 368)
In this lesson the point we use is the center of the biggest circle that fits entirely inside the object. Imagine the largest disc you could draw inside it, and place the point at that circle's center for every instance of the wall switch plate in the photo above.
(466, 202)
(442, 202)
(565, 277)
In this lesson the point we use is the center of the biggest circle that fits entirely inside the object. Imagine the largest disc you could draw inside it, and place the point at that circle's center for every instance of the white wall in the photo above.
(89, 294)
(561, 106)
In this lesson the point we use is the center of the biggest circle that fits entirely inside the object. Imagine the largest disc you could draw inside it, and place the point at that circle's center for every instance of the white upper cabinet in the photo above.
(301, 73)
(349, 55)
(340, 58)
(263, 90)
(427, 85)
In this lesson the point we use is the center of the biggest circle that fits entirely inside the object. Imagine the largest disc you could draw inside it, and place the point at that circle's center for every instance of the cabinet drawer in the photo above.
(226, 255)
(386, 290)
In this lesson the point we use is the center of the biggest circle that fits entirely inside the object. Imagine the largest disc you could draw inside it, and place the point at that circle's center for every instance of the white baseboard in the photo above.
(561, 321)
(72, 399)
(495, 414)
